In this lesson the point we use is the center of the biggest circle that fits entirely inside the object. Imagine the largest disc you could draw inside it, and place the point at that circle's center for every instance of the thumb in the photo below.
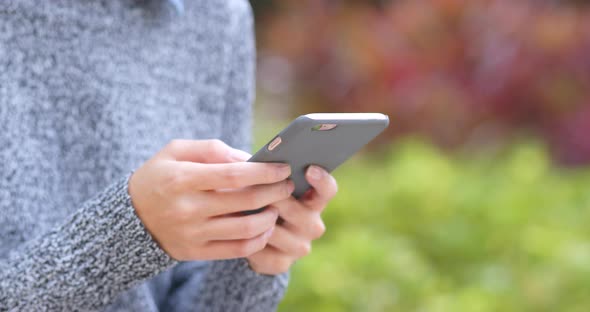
(204, 151)
(237, 155)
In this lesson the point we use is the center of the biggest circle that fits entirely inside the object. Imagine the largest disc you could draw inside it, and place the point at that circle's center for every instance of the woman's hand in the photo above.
(189, 196)
(301, 224)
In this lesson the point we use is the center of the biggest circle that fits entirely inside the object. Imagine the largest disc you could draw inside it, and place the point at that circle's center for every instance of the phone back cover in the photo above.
(302, 146)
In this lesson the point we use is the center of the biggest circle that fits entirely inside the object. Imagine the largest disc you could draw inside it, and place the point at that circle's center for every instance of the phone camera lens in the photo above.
(324, 127)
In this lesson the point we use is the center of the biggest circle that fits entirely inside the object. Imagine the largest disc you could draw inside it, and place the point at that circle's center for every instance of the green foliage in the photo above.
(413, 229)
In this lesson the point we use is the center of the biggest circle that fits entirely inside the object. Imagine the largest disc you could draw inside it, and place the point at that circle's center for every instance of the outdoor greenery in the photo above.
(414, 230)
(477, 197)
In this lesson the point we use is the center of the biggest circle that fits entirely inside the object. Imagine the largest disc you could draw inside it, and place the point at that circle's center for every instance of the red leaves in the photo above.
(444, 68)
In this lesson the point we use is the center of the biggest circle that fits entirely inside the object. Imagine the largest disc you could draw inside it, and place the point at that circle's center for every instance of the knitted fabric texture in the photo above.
(89, 90)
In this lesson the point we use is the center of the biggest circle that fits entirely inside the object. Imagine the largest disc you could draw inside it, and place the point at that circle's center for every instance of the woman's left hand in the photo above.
(302, 223)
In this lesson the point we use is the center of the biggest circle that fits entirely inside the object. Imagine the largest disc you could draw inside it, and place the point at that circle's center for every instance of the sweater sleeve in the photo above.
(86, 262)
(230, 285)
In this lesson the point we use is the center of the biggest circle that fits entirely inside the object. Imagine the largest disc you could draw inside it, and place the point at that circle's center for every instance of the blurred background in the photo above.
(478, 196)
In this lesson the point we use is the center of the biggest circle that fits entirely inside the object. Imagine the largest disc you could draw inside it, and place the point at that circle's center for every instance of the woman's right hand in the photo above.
(190, 194)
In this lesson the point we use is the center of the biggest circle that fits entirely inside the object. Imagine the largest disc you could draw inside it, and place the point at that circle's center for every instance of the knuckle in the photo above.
(252, 200)
(279, 191)
(267, 173)
(175, 181)
(186, 236)
(286, 189)
(255, 263)
(174, 145)
(318, 229)
(257, 245)
(272, 265)
(240, 250)
(271, 174)
(195, 206)
(264, 265)
(247, 247)
(303, 249)
(183, 212)
(249, 228)
(232, 176)
(281, 265)
(216, 146)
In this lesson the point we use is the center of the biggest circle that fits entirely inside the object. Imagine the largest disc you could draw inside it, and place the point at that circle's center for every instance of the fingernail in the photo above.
(284, 169)
(315, 172)
(290, 186)
(239, 155)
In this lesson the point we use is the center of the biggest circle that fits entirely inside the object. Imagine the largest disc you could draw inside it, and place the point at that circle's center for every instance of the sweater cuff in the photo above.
(133, 252)
(102, 250)
(242, 288)
(108, 238)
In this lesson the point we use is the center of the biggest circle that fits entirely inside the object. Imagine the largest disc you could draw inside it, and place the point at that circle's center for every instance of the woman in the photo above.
(90, 90)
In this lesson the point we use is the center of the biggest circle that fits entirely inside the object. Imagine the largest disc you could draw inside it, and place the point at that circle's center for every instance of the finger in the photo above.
(270, 261)
(324, 188)
(240, 227)
(293, 211)
(289, 243)
(197, 176)
(230, 201)
(238, 248)
(301, 220)
(204, 151)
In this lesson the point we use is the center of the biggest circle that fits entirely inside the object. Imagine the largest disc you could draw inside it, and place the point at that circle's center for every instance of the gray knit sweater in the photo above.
(89, 90)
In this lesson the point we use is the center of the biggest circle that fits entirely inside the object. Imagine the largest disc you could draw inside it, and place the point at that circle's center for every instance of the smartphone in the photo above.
(325, 140)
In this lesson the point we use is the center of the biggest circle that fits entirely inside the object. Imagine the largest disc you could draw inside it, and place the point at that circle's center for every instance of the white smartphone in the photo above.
(325, 140)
